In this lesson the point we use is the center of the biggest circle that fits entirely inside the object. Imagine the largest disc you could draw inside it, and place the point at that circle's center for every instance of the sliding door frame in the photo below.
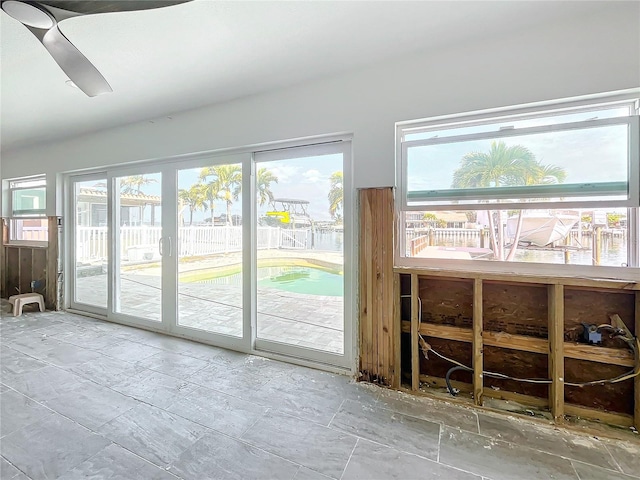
(348, 313)
(113, 214)
(70, 247)
(242, 343)
(169, 167)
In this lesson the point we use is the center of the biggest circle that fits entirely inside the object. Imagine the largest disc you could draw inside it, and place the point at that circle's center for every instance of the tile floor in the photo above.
(82, 398)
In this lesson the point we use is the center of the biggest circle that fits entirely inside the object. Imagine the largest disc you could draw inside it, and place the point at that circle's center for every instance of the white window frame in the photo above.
(35, 213)
(628, 98)
(39, 214)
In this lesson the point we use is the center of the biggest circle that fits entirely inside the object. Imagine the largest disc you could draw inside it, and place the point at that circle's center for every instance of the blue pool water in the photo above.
(309, 281)
(295, 279)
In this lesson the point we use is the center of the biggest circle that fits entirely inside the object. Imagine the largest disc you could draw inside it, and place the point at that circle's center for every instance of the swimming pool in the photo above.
(306, 280)
(296, 278)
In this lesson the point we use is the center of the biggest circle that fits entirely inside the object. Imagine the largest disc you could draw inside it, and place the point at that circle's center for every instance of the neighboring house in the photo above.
(135, 208)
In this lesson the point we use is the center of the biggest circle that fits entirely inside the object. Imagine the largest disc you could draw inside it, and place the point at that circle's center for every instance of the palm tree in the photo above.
(134, 183)
(195, 198)
(227, 181)
(504, 166)
(211, 194)
(264, 180)
(336, 195)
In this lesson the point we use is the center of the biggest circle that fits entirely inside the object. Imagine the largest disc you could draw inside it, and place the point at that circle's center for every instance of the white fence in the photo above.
(28, 233)
(141, 243)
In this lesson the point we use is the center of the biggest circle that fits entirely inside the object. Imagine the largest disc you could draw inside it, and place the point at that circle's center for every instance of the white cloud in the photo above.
(312, 176)
(284, 173)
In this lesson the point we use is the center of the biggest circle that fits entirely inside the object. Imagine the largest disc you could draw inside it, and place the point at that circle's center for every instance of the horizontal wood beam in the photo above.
(521, 278)
(488, 392)
(592, 414)
(542, 403)
(591, 353)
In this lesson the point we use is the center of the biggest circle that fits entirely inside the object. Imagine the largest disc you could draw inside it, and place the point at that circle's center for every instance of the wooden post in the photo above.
(556, 351)
(374, 280)
(366, 288)
(396, 372)
(636, 394)
(432, 237)
(567, 257)
(597, 246)
(376, 308)
(415, 326)
(477, 342)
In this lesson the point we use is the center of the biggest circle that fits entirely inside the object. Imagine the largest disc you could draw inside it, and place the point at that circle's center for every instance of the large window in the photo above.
(27, 207)
(553, 183)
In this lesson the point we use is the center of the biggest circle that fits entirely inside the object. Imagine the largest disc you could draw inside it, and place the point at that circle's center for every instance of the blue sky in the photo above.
(587, 155)
(305, 179)
(590, 155)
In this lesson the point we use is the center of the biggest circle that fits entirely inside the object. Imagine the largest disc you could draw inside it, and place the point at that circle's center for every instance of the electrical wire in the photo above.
(425, 347)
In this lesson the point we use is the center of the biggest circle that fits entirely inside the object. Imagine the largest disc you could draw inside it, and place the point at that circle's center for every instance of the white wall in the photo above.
(589, 55)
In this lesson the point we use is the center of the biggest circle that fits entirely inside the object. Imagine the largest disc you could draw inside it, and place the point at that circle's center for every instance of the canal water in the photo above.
(614, 249)
(613, 253)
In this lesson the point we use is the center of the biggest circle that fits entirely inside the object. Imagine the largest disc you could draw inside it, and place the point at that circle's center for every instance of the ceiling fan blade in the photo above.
(42, 17)
(106, 6)
(77, 67)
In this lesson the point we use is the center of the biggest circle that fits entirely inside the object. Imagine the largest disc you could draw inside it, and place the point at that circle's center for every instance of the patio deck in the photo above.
(311, 321)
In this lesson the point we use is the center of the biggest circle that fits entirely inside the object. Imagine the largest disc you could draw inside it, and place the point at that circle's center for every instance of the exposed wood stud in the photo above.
(376, 307)
(500, 394)
(592, 353)
(26, 269)
(602, 416)
(385, 279)
(24, 264)
(389, 328)
(374, 281)
(518, 278)
(415, 327)
(396, 373)
(477, 342)
(556, 351)
(366, 288)
(570, 409)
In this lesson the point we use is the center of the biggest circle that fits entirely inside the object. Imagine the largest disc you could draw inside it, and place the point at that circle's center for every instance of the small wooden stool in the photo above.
(19, 301)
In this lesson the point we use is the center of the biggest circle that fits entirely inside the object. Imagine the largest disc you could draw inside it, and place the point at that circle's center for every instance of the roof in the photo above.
(136, 198)
(292, 201)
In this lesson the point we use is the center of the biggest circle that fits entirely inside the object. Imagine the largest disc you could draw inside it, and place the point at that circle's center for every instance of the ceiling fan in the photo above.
(43, 17)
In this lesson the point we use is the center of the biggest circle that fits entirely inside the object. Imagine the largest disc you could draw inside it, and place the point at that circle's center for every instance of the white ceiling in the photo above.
(163, 61)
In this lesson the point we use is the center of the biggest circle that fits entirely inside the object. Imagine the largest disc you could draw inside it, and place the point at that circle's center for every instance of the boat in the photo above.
(288, 213)
(541, 229)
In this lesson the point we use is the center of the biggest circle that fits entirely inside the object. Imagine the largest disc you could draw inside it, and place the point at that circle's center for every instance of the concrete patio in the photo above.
(311, 321)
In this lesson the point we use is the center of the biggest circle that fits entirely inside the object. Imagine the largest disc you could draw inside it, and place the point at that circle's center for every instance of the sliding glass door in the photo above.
(88, 227)
(301, 273)
(210, 249)
(249, 251)
(137, 246)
